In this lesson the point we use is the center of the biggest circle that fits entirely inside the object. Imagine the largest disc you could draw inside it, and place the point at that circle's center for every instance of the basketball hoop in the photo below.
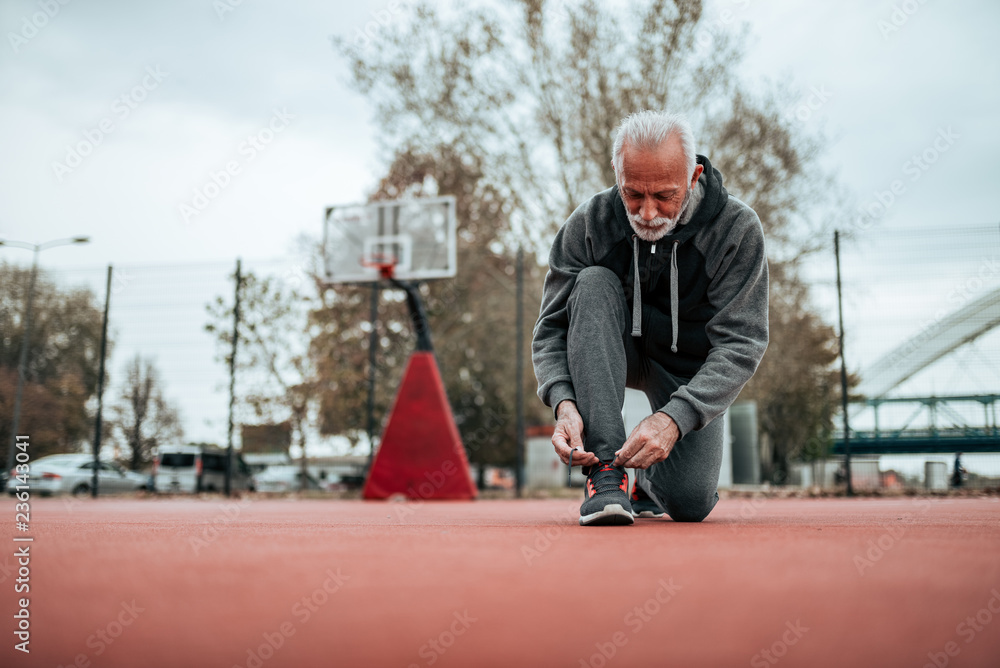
(418, 236)
(386, 264)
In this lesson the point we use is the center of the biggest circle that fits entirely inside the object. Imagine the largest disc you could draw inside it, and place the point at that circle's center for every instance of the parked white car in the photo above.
(73, 474)
(285, 478)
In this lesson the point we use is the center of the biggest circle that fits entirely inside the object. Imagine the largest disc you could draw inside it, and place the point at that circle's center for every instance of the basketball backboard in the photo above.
(417, 235)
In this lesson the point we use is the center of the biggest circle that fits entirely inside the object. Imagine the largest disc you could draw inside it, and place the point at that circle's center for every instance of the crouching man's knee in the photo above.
(692, 510)
(596, 277)
(597, 288)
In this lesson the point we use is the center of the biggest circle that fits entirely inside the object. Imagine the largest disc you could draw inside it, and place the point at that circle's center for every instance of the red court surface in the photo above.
(262, 583)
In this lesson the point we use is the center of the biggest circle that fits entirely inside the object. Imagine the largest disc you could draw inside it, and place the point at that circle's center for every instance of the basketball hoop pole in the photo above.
(420, 438)
(417, 314)
(387, 271)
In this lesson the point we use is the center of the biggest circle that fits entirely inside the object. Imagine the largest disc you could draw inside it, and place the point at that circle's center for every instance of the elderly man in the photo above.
(659, 284)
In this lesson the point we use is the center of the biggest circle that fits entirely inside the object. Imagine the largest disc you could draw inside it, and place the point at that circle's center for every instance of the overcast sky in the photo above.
(221, 76)
(167, 94)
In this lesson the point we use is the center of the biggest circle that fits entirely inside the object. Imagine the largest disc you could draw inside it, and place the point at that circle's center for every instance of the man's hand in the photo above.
(650, 442)
(567, 438)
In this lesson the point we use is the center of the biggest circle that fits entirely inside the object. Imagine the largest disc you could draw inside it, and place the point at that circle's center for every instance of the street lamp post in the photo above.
(22, 363)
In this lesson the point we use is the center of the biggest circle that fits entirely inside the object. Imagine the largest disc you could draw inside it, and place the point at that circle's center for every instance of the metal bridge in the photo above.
(946, 422)
(946, 427)
(930, 344)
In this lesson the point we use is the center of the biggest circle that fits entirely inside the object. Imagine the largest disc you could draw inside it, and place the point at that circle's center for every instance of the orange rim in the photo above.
(386, 264)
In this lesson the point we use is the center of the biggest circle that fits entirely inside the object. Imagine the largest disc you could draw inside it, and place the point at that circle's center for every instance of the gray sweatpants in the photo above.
(604, 359)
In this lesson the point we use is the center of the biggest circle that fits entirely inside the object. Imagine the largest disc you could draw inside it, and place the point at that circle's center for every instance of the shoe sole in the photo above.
(647, 515)
(612, 514)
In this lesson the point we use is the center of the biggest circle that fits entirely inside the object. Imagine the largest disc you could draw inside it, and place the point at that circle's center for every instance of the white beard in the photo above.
(659, 227)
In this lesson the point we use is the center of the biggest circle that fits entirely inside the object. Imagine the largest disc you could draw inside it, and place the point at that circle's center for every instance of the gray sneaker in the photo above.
(643, 506)
(606, 499)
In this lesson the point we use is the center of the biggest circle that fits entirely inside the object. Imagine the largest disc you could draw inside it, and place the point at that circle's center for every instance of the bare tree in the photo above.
(277, 376)
(531, 94)
(62, 355)
(143, 416)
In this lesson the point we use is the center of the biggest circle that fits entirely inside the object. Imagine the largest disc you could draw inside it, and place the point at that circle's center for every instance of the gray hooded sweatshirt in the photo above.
(700, 308)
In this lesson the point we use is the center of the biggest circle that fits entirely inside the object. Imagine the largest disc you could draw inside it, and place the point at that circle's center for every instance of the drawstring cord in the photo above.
(636, 291)
(674, 299)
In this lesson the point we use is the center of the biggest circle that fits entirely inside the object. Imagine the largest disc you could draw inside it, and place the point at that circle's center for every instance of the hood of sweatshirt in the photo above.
(711, 203)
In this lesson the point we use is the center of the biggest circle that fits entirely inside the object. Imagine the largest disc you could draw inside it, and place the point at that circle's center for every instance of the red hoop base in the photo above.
(421, 455)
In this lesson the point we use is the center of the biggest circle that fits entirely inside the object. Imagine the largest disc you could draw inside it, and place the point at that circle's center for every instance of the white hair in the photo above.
(648, 130)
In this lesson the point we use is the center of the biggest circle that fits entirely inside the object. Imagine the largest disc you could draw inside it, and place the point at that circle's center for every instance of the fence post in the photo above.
(519, 472)
(100, 389)
(232, 379)
(372, 343)
(843, 368)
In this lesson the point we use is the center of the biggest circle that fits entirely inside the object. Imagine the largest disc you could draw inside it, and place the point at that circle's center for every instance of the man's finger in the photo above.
(561, 447)
(626, 458)
(647, 456)
(559, 440)
(628, 450)
(636, 462)
(583, 458)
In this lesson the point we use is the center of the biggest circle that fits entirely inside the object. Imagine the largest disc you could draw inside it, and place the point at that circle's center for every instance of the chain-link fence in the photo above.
(302, 372)
(163, 372)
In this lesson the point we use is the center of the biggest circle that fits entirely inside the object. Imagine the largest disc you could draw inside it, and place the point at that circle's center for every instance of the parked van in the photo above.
(196, 468)
(213, 474)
